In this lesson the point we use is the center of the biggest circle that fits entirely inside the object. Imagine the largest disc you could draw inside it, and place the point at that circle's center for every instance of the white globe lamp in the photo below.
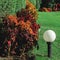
(49, 36)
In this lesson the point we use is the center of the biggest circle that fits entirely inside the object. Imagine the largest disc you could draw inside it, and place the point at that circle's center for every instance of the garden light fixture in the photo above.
(49, 36)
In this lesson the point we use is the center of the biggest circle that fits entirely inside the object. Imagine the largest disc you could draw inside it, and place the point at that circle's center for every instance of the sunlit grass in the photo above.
(49, 21)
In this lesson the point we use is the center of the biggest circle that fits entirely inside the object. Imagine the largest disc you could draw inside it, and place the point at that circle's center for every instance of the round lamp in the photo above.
(49, 36)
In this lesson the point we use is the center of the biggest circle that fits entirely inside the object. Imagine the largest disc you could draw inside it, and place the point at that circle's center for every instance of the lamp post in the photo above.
(49, 36)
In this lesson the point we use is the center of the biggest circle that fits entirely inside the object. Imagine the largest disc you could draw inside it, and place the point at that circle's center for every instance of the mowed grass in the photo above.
(48, 21)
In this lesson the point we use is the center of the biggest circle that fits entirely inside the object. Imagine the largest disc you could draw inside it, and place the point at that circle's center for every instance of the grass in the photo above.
(48, 21)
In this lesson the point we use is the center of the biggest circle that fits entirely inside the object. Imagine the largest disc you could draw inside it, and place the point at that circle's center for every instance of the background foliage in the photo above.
(11, 6)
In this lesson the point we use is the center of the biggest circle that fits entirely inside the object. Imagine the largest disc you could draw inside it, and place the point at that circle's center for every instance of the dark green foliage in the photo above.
(11, 6)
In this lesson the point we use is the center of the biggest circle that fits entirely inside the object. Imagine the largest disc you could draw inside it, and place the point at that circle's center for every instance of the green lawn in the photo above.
(48, 21)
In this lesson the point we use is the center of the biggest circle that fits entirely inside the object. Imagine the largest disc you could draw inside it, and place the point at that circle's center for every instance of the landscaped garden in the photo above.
(20, 34)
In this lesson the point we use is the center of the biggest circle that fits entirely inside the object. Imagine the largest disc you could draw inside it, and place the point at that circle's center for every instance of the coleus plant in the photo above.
(21, 32)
